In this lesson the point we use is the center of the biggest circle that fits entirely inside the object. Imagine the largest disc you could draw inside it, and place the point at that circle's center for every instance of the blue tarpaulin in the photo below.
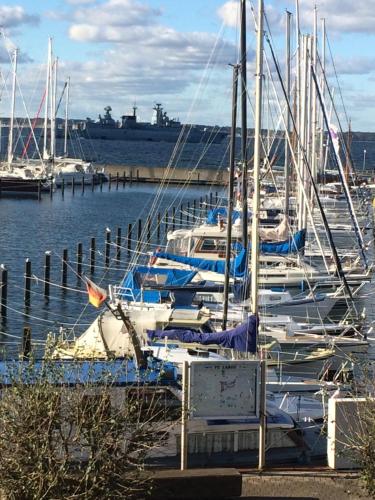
(237, 265)
(243, 338)
(222, 212)
(147, 277)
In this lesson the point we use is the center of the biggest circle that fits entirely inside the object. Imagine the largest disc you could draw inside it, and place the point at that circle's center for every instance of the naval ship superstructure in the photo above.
(162, 128)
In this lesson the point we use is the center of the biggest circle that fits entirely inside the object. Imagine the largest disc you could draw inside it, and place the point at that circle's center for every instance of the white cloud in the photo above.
(13, 16)
(343, 16)
(141, 56)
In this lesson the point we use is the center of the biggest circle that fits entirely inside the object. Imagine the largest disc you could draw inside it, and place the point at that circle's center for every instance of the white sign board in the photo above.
(224, 389)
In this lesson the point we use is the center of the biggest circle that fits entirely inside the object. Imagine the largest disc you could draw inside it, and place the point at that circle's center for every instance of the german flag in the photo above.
(96, 294)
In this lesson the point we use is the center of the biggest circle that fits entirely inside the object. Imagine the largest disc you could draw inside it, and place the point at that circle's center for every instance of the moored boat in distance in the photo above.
(162, 128)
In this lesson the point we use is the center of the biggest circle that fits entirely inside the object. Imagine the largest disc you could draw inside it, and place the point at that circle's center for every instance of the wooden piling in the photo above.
(101, 183)
(124, 179)
(148, 229)
(47, 274)
(173, 218)
(83, 185)
(79, 258)
(64, 269)
(26, 342)
(109, 181)
(27, 292)
(131, 176)
(107, 246)
(129, 238)
(92, 255)
(51, 189)
(139, 234)
(73, 185)
(92, 183)
(62, 187)
(3, 291)
(118, 245)
(166, 221)
(158, 227)
(117, 180)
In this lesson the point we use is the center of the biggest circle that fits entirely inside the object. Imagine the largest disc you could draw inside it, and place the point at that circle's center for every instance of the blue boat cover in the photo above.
(243, 338)
(237, 265)
(143, 277)
(294, 244)
(214, 214)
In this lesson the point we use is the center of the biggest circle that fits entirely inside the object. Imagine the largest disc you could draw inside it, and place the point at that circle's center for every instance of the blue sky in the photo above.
(119, 51)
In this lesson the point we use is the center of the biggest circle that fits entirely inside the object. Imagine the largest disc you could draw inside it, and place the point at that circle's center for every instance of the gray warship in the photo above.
(161, 129)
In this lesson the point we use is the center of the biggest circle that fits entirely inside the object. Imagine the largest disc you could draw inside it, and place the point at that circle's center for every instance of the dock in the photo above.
(171, 175)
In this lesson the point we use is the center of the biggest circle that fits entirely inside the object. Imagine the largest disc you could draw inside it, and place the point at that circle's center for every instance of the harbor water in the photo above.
(30, 227)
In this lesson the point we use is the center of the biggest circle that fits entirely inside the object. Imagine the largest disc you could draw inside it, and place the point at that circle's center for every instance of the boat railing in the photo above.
(119, 292)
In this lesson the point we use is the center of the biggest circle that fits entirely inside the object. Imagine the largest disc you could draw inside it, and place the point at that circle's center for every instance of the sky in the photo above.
(176, 52)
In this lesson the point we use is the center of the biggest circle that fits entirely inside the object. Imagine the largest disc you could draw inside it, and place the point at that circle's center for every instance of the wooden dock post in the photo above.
(129, 238)
(64, 269)
(158, 227)
(79, 259)
(83, 185)
(47, 274)
(62, 187)
(117, 180)
(137, 175)
(92, 183)
(27, 294)
(139, 235)
(101, 183)
(26, 342)
(131, 176)
(3, 291)
(92, 255)
(166, 221)
(173, 218)
(109, 181)
(124, 179)
(51, 190)
(148, 229)
(118, 245)
(107, 246)
(73, 185)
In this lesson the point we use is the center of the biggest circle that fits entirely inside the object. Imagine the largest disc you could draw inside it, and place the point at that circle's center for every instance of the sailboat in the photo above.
(18, 175)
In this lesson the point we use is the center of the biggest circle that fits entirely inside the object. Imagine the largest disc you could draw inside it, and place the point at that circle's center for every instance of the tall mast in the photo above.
(230, 193)
(287, 117)
(255, 218)
(66, 116)
(322, 86)
(12, 109)
(244, 124)
(46, 100)
(313, 97)
(53, 108)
